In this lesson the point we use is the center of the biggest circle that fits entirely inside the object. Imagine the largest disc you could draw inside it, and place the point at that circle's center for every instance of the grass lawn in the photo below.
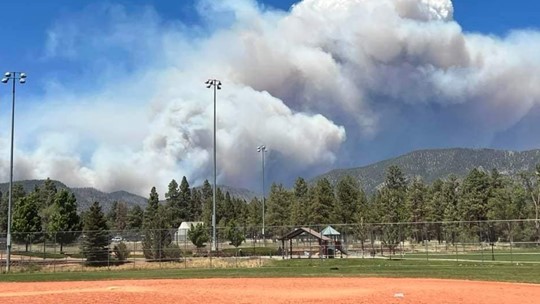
(498, 256)
(529, 273)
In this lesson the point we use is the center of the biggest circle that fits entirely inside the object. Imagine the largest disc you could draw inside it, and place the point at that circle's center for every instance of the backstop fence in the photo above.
(508, 241)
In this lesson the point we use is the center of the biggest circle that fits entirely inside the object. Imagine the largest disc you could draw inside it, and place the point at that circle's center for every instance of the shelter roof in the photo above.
(298, 231)
(330, 231)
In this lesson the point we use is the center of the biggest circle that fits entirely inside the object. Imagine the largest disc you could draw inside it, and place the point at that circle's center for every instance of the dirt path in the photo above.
(283, 290)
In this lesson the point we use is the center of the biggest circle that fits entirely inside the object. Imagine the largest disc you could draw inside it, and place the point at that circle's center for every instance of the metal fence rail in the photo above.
(515, 241)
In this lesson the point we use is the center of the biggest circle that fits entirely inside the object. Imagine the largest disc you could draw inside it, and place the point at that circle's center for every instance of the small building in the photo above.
(327, 244)
(181, 235)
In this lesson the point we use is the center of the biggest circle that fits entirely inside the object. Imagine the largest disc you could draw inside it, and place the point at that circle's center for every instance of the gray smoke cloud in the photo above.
(313, 84)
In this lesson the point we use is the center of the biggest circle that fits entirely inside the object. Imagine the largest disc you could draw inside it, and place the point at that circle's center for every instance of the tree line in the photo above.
(480, 196)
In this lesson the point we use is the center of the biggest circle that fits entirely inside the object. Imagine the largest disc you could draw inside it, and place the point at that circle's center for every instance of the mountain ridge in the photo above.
(431, 164)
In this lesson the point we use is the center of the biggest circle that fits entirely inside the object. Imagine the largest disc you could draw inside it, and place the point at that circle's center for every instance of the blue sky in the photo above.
(134, 60)
(26, 22)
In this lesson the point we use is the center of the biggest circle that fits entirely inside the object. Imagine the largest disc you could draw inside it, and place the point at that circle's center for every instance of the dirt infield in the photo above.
(282, 290)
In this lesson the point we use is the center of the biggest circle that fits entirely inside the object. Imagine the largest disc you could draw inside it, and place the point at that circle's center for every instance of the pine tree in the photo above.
(187, 214)
(111, 215)
(277, 206)
(416, 207)
(507, 202)
(347, 196)
(172, 198)
(322, 203)
(300, 203)
(196, 205)
(26, 221)
(363, 216)
(392, 206)
(449, 200)
(207, 196)
(135, 218)
(120, 223)
(254, 216)
(64, 222)
(96, 237)
(227, 210)
(475, 193)
(157, 236)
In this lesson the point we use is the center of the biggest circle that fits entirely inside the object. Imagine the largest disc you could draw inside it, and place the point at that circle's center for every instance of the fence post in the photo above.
(481, 243)
(426, 238)
(134, 248)
(511, 241)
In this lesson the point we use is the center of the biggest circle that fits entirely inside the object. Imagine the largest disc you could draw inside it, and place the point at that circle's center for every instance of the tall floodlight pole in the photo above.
(262, 150)
(217, 86)
(21, 77)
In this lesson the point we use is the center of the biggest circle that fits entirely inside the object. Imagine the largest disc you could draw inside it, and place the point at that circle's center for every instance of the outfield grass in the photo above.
(498, 257)
(529, 273)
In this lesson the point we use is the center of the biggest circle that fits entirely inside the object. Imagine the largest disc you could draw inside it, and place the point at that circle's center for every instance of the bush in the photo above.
(172, 252)
(121, 252)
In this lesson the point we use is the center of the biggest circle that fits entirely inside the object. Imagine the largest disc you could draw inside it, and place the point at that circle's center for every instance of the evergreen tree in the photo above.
(172, 198)
(121, 220)
(300, 203)
(221, 213)
(64, 222)
(416, 207)
(449, 200)
(507, 202)
(111, 215)
(96, 237)
(47, 194)
(157, 236)
(227, 210)
(322, 203)
(473, 205)
(277, 206)
(188, 214)
(196, 205)
(347, 194)
(240, 216)
(207, 194)
(254, 216)
(26, 221)
(363, 216)
(135, 218)
(392, 206)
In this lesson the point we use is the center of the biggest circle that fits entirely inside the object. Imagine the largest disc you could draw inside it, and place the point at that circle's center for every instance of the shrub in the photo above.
(172, 252)
(121, 252)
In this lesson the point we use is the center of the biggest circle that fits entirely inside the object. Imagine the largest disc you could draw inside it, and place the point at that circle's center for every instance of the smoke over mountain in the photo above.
(319, 85)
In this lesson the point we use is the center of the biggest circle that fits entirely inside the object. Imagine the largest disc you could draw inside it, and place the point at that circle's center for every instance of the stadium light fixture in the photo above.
(21, 77)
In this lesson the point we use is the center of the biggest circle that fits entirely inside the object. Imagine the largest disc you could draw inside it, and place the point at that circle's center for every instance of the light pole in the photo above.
(262, 150)
(22, 79)
(217, 86)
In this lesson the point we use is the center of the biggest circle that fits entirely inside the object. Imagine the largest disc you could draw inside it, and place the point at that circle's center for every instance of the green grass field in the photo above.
(486, 256)
(529, 273)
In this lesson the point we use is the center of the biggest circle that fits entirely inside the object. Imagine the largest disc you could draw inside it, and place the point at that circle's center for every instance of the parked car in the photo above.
(117, 239)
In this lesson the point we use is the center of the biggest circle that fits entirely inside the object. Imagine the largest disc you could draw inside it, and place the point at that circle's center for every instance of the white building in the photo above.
(180, 236)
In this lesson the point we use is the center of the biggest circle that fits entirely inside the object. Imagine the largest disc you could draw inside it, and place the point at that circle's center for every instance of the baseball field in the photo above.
(288, 281)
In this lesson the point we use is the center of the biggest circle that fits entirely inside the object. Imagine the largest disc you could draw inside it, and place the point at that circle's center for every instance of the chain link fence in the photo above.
(513, 241)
